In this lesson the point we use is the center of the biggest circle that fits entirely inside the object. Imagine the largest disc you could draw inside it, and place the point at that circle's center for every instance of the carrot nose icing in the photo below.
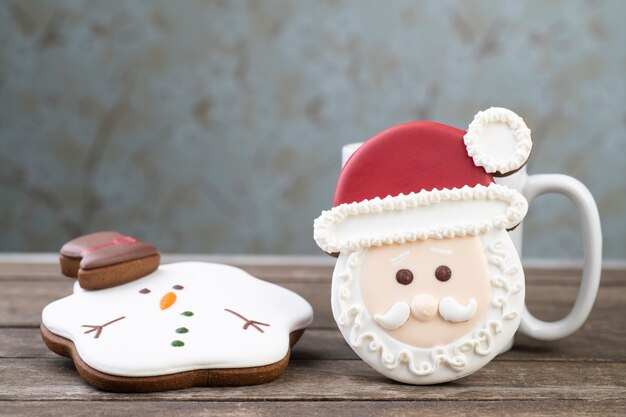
(167, 300)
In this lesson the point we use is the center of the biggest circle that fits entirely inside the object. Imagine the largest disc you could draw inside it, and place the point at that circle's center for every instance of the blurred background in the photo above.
(216, 126)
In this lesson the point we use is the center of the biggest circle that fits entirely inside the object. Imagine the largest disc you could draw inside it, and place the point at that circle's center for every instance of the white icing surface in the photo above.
(424, 307)
(409, 364)
(397, 315)
(434, 214)
(452, 311)
(140, 344)
(498, 140)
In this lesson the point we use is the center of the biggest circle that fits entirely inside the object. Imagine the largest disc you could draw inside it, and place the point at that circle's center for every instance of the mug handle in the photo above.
(573, 189)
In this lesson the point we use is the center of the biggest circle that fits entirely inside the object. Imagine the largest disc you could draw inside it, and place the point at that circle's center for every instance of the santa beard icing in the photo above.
(459, 317)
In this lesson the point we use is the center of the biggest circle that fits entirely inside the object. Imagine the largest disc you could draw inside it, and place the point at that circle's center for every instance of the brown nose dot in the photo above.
(404, 276)
(443, 273)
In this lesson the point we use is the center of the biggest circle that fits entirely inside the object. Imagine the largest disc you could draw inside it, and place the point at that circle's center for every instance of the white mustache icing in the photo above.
(449, 309)
(395, 317)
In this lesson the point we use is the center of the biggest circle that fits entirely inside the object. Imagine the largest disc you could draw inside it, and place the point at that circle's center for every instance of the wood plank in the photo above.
(591, 344)
(571, 277)
(316, 380)
(585, 373)
(314, 272)
(24, 299)
(303, 408)
(280, 273)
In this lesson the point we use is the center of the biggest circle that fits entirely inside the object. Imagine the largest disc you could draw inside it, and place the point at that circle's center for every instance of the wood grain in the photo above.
(584, 374)
(401, 408)
(313, 272)
(319, 380)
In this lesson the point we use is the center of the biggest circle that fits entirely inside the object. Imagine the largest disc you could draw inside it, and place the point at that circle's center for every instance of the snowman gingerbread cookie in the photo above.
(185, 325)
(428, 286)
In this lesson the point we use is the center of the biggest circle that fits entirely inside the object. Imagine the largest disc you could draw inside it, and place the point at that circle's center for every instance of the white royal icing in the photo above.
(450, 310)
(435, 214)
(396, 317)
(409, 364)
(424, 307)
(498, 140)
(140, 343)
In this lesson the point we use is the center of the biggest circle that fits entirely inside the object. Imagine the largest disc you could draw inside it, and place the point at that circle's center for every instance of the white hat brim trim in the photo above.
(435, 214)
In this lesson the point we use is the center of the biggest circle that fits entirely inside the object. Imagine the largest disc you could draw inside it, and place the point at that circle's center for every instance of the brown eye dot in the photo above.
(404, 276)
(144, 291)
(178, 287)
(443, 273)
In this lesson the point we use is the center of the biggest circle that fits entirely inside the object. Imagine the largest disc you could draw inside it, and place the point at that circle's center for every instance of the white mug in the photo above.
(532, 186)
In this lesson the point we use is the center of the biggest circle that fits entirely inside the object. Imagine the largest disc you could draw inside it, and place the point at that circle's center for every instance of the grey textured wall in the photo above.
(215, 126)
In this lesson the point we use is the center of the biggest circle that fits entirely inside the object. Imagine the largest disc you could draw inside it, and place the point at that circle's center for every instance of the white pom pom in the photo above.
(498, 140)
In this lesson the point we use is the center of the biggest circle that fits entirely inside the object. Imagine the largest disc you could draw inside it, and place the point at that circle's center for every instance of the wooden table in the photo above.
(584, 374)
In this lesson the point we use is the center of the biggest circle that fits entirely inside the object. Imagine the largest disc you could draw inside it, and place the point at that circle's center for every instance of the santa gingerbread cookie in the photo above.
(428, 286)
(184, 325)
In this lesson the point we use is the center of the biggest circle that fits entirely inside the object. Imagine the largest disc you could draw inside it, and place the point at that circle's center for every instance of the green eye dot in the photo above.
(178, 343)
(187, 313)
(182, 330)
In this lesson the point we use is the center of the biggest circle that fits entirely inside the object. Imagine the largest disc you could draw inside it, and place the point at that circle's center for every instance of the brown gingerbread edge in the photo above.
(498, 174)
(109, 276)
(117, 274)
(69, 266)
(230, 377)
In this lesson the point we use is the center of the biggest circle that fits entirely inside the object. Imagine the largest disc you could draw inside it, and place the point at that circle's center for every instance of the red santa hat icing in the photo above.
(426, 180)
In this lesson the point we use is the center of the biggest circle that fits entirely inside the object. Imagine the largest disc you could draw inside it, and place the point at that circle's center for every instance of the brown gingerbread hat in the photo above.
(106, 259)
